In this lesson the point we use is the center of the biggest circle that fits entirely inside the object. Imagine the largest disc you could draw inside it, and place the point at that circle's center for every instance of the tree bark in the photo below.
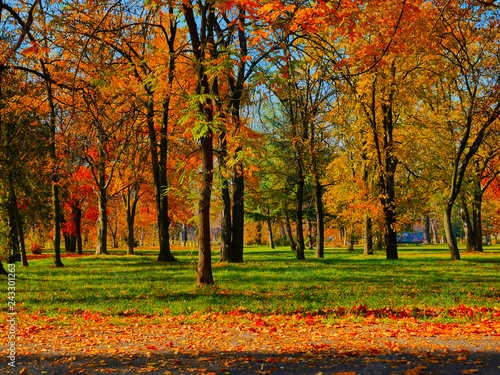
(56, 212)
(3, 271)
(205, 276)
(435, 235)
(448, 228)
(320, 219)
(226, 222)
(164, 254)
(56, 205)
(427, 235)
(77, 212)
(130, 200)
(350, 246)
(289, 232)
(476, 217)
(270, 232)
(390, 234)
(298, 211)
(368, 235)
(205, 35)
(468, 228)
(310, 234)
(17, 221)
(238, 213)
(102, 222)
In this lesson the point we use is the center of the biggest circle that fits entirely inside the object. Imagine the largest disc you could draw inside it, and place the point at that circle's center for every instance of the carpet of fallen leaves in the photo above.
(241, 342)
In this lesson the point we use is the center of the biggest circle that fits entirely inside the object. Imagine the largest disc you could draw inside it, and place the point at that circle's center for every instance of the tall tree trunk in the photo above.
(198, 40)
(390, 235)
(3, 271)
(66, 236)
(130, 199)
(258, 233)
(298, 212)
(270, 232)
(368, 235)
(159, 148)
(320, 219)
(387, 162)
(12, 236)
(102, 223)
(102, 194)
(56, 212)
(477, 220)
(205, 276)
(448, 228)
(350, 246)
(164, 255)
(17, 221)
(226, 225)
(77, 213)
(184, 235)
(289, 232)
(427, 234)
(238, 213)
(309, 234)
(56, 205)
(468, 228)
(435, 235)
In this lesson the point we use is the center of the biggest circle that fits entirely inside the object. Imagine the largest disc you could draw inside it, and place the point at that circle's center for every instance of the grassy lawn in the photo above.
(268, 281)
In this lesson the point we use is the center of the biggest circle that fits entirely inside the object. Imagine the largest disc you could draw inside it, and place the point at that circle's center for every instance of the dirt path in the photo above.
(259, 346)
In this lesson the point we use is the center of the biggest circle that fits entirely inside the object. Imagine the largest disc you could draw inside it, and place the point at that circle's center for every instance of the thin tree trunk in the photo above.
(289, 232)
(270, 232)
(298, 216)
(130, 199)
(258, 233)
(448, 228)
(238, 213)
(435, 234)
(310, 234)
(18, 222)
(77, 212)
(56, 206)
(320, 220)
(350, 247)
(3, 271)
(205, 276)
(468, 228)
(390, 235)
(426, 234)
(477, 220)
(102, 223)
(12, 237)
(164, 254)
(205, 35)
(184, 235)
(226, 227)
(368, 235)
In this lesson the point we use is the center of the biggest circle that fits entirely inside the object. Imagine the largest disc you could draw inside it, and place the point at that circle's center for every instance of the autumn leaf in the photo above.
(416, 371)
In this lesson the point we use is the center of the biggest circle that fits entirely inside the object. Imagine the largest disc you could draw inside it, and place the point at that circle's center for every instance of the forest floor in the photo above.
(245, 343)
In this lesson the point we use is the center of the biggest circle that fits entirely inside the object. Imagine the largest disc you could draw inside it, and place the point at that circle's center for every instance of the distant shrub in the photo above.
(36, 248)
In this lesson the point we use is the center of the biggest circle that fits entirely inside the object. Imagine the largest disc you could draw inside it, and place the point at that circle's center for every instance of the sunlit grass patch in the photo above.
(268, 281)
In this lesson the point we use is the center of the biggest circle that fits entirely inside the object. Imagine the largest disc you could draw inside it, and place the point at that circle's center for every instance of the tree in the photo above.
(466, 101)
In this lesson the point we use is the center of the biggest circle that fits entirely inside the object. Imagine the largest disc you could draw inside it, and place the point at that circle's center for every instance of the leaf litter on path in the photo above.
(247, 343)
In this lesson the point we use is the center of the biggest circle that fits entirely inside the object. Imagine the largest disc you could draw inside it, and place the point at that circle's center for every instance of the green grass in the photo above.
(268, 281)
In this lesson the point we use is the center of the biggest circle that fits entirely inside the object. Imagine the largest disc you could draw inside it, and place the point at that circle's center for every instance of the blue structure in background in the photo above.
(410, 237)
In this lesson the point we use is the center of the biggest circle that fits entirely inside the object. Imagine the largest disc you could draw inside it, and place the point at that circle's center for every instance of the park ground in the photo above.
(421, 314)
